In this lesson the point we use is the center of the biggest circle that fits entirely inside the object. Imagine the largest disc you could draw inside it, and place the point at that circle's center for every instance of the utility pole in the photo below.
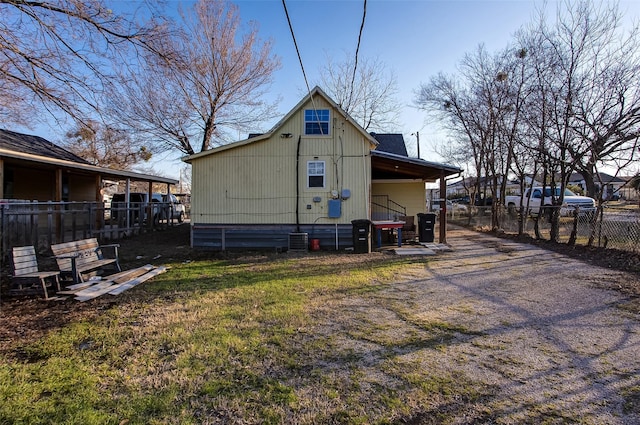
(417, 141)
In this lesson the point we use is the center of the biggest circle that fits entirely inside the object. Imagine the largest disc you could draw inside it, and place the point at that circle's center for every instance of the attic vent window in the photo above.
(316, 121)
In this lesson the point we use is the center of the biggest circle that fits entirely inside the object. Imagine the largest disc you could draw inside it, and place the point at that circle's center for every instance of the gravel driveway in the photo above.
(543, 338)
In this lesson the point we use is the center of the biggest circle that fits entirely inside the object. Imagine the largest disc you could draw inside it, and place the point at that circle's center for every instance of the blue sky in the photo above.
(415, 39)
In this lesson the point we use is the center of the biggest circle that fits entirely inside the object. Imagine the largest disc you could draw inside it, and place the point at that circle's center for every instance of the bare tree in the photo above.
(105, 146)
(369, 97)
(205, 86)
(634, 183)
(607, 106)
(53, 54)
(482, 110)
(586, 84)
(568, 100)
(446, 98)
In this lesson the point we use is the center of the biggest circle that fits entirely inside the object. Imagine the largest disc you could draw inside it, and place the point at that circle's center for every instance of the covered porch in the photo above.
(51, 199)
(398, 190)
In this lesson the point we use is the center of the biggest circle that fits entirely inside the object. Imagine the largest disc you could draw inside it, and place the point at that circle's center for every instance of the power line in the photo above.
(295, 43)
(355, 65)
(304, 74)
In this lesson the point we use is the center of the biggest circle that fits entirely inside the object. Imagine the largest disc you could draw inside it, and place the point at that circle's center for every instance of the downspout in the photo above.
(443, 208)
(298, 185)
(367, 183)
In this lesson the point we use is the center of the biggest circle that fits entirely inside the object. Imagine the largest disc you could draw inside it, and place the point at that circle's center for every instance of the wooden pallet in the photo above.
(113, 284)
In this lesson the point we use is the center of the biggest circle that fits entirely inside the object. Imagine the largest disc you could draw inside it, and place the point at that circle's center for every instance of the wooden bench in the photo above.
(78, 258)
(25, 271)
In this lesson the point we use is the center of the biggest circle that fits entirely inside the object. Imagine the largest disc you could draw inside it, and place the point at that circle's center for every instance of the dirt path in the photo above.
(529, 335)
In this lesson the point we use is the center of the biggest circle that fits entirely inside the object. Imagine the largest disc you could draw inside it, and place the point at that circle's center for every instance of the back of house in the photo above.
(310, 174)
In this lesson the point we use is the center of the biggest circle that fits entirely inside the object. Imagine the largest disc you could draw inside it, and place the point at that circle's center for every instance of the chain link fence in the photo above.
(616, 227)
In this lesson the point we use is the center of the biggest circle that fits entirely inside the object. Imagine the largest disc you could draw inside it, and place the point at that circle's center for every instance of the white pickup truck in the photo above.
(534, 198)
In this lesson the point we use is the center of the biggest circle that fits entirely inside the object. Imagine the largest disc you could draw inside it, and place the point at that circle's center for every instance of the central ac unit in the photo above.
(298, 241)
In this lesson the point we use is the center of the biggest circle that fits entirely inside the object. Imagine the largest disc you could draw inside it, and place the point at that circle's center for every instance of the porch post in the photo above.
(100, 212)
(58, 188)
(443, 206)
(1, 178)
(127, 202)
(150, 206)
(98, 188)
(58, 208)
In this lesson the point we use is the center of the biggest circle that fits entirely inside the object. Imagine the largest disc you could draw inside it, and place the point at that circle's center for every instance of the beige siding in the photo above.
(39, 184)
(26, 186)
(411, 195)
(82, 188)
(256, 183)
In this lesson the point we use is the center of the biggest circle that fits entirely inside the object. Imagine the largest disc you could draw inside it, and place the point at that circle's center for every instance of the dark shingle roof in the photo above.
(391, 143)
(35, 145)
(603, 177)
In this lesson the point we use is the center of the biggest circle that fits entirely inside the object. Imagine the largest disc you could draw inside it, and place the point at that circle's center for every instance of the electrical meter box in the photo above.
(335, 208)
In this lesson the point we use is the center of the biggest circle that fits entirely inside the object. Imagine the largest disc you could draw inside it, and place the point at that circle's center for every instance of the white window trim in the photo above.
(328, 122)
(324, 174)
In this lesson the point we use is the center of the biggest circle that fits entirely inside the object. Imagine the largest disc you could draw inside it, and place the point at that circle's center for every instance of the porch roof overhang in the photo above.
(21, 157)
(388, 166)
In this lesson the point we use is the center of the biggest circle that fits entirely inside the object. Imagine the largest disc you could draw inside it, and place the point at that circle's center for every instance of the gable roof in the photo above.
(35, 145)
(317, 91)
(392, 143)
(254, 137)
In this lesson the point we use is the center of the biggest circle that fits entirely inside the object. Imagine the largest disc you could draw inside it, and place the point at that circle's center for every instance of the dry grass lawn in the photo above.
(494, 331)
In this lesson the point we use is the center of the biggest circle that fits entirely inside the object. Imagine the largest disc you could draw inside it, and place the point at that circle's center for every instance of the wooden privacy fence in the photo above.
(43, 224)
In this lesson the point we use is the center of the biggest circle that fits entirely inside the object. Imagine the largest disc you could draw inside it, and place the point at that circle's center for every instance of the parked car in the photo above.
(169, 207)
(483, 201)
(164, 206)
(451, 206)
(137, 202)
(480, 201)
(463, 200)
(538, 198)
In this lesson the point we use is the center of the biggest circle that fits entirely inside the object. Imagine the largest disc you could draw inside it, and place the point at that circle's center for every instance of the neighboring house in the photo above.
(626, 191)
(463, 187)
(611, 185)
(313, 173)
(33, 168)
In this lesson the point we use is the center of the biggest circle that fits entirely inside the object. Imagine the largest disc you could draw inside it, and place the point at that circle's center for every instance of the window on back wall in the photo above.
(316, 121)
(315, 174)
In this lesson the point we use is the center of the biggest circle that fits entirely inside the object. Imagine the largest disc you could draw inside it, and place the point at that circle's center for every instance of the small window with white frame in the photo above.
(315, 174)
(316, 121)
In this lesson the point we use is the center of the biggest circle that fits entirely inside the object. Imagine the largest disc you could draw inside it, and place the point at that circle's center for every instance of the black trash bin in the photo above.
(426, 227)
(360, 234)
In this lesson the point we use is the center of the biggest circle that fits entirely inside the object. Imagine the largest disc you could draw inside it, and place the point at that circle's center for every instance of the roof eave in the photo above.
(449, 169)
(85, 167)
(189, 158)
